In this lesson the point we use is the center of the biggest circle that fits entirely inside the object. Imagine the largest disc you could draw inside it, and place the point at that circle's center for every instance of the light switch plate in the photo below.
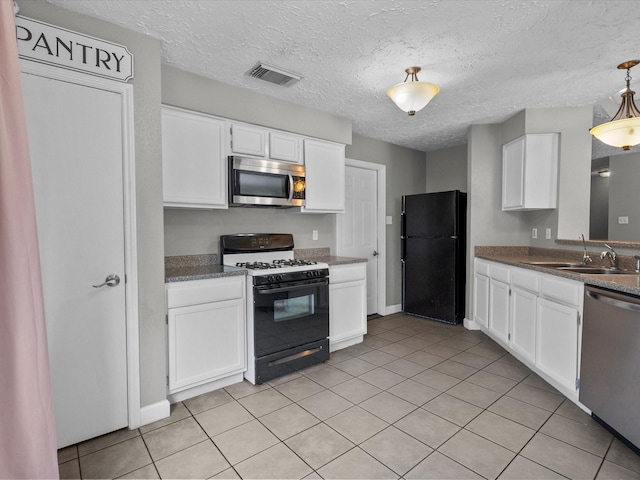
(389, 220)
(547, 234)
(315, 234)
(534, 233)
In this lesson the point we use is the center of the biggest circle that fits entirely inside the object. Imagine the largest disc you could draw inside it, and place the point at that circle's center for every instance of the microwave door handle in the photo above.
(290, 188)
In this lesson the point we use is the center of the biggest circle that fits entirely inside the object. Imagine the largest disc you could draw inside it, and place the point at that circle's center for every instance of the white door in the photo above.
(76, 146)
(359, 226)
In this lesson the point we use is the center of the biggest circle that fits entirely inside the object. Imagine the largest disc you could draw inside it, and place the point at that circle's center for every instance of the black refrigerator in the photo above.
(433, 254)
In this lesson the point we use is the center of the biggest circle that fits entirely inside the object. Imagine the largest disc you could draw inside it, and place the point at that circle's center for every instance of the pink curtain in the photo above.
(27, 429)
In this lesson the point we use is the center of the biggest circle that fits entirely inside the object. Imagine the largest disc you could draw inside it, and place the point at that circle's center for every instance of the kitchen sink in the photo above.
(587, 270)
(554, 264)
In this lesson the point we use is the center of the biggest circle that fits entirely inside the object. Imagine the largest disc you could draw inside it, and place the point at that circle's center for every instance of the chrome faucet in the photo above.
(585, 256)
(611, 255)
(637, 259)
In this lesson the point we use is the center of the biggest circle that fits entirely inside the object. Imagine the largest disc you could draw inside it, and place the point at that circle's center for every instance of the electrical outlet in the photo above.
(623, 220)
(547, 234)
(534, 233)
(315, 234)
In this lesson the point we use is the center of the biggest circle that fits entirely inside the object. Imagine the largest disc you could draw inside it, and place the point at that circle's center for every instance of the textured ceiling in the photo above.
(490, 58)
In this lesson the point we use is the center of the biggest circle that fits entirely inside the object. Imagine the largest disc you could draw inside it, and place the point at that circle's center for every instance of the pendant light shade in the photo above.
(623, 130)
(412, 96)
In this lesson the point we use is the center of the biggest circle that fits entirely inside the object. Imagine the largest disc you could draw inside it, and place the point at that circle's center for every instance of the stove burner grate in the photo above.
(275, 264)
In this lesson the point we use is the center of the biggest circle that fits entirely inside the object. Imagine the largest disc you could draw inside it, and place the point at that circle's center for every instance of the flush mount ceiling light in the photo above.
(412, 96)
(623, 130)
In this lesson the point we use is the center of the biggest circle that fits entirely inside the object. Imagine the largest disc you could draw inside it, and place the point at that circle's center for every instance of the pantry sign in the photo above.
(46, 43)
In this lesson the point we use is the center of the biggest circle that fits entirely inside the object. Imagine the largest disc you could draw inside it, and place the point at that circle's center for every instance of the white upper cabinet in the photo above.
(194, 167)
(530, 172)
(285, 147)
(248, 140)
(325, 174)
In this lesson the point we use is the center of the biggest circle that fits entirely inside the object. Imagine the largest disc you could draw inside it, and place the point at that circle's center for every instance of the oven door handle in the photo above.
(291, 288)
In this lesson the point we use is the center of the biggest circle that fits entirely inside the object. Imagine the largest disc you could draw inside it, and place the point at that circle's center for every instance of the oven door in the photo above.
(289, 315)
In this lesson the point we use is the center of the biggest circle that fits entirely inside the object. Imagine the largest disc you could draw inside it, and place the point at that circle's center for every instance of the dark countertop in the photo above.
(200, 272)
(516, 256)
(333, 260)
(183, 268)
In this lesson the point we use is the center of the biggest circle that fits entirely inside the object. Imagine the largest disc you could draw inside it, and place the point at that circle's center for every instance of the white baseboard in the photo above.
(391, 309)
(471, 324)
(206, 388)
(345, 343)
(155, 411)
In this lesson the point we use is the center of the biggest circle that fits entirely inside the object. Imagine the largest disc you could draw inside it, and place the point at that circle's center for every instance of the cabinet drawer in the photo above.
(482, 268)
(524, 279)
(499, 272)
(348, 273)
(564, 291)
(204, 291)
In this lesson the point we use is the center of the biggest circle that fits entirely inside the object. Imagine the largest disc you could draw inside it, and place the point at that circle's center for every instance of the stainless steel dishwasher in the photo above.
(610, 366)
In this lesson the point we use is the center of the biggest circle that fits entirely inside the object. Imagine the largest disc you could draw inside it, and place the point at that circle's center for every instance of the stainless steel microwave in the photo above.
(266, 183)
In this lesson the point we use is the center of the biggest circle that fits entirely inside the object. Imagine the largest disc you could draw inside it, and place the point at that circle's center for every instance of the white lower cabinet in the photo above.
(481, 292)
(522, 313)
(499, 309)
(347, 305)
(206, 334)
(535, 316)
(523, 321)
(557, 342)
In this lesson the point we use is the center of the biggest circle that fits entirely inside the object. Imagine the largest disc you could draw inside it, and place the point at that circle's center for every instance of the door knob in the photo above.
(111, 281)
(375, 253)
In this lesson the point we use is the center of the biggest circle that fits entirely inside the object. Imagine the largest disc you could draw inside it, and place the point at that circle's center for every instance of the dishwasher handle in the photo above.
(614, 302)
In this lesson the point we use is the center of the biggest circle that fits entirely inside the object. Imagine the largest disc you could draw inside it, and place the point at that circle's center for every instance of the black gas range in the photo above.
(287, 304)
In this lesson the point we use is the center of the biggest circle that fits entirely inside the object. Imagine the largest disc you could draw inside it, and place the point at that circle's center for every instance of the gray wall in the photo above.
(406, 171)
(194, 92)
(571, 218)
(193, 232)
(447, 169)
(487, 224)
(624, 185)
(146, 87)
(599, 208)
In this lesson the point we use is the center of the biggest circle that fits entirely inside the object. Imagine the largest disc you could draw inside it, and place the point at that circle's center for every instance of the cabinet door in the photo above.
(523, 321)
(206, 342)
(194, 168)
(557, 342)
(248, 140)
(347, 303)
(285, 147)
(530, 172)
(499, 309)
(513, 174)
(481, 300)
(325, 171)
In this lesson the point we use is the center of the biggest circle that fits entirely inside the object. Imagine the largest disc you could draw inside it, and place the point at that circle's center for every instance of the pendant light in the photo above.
(412, 96)
(623, 130)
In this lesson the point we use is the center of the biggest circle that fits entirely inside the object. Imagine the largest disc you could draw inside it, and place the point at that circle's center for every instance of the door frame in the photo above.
(381, 174)
(125, 90)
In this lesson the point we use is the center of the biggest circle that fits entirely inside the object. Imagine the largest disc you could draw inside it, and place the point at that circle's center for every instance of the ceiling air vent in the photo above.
(272, 74)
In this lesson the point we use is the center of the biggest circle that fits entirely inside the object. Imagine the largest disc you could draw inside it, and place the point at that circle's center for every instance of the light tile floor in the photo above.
(416, 400)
